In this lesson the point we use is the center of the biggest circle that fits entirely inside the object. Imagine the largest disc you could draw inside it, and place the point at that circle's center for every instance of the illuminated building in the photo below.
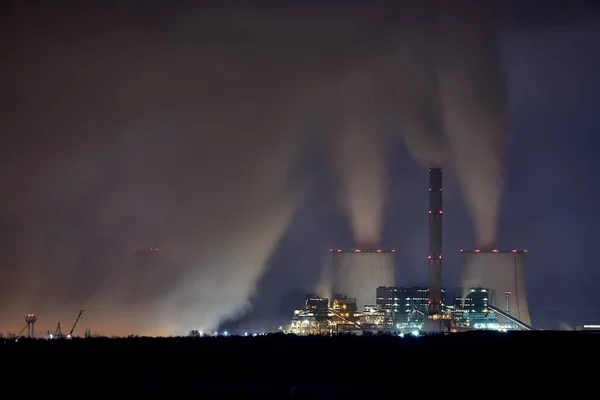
(474, 310)
(373, 318)
(304, 323)
(404, 304)
(317, 305)
(357, 273)
(588, 328)
(313, 319)
(502, 273)
(344, 315)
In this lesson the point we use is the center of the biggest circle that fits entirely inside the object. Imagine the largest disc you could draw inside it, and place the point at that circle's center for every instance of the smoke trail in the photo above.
(168, 142)
(450, 100)
(473, 95)
(410, 89)
(565, 326)
(358, 156)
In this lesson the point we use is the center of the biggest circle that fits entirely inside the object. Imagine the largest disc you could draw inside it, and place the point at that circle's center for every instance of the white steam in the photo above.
(358, 151)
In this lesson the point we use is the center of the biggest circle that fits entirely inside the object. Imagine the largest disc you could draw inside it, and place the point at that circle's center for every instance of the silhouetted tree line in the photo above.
(288, 366)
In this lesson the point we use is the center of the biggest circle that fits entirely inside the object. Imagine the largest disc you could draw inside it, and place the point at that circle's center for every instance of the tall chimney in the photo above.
(435, 241)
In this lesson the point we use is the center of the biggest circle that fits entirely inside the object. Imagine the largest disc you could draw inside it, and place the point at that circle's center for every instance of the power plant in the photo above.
(366, 298)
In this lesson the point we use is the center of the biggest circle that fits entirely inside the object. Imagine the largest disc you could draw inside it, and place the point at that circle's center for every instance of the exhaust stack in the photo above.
(435, 241)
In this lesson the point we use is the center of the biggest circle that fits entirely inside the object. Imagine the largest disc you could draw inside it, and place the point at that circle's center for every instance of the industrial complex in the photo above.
(366, 299)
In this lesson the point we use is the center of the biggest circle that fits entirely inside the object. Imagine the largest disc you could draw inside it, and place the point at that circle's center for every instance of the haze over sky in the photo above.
(253, 139)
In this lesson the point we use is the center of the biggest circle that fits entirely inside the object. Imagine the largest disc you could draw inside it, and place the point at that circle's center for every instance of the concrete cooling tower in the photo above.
(358, 273)
(502, 273)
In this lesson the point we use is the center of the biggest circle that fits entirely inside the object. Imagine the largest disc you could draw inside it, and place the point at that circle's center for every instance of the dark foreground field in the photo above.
(278, 366)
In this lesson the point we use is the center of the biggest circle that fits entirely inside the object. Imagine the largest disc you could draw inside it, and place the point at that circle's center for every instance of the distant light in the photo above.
(514, 251)
(477, 250)
(429, 211)
(379, 250)
(357, 251)
(495, 250)
(429, 256)
(245, 333)
(440, 257)
(415, 333)
(461, 250)
(393, 250)
(441, 212)
(225, 333)
(401, 335)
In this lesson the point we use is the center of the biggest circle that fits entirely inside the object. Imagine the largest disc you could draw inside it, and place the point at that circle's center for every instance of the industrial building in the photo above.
(402, 310)
(404, 305)
(358, 273)
(313, 319)
(318, 317)
(474, 309)
(502, 273)
(471, 310)
(588, 327)
(366, 298)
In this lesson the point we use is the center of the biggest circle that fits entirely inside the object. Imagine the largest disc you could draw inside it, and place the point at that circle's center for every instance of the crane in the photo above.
(58, 332)
(76, 321)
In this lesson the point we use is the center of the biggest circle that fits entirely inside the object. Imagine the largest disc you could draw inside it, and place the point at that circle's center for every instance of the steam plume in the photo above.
(358, 154)
(155, 141)
(475, 113)
(451, 103)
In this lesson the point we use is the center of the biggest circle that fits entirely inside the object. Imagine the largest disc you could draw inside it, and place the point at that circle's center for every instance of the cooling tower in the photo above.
(501, 272)
(358, 273)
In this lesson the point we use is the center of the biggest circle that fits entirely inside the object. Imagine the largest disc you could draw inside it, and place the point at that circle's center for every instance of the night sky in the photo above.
(240, 138)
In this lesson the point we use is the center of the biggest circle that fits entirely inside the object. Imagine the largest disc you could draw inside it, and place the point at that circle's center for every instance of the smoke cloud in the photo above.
(139, 139)
(358, 151)
(475, 113)
(450, 101)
